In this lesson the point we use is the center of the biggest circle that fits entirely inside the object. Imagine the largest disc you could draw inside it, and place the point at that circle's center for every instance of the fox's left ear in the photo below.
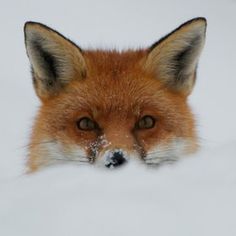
(174, 58)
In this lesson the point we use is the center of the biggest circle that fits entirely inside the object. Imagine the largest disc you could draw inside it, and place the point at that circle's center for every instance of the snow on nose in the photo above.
(115, 158)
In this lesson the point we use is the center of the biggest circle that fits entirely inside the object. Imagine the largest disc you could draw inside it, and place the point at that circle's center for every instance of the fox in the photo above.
(107, 107)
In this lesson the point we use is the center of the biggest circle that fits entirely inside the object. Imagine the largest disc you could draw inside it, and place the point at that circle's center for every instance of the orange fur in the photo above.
(117, 90)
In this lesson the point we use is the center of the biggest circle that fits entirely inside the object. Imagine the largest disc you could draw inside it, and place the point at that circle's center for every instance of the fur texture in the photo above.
(115, 90)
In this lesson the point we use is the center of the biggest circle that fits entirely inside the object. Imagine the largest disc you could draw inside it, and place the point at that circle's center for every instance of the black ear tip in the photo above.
(202, 20)
(29, 23)
(199, 22)
(34, 24)
(26, 26)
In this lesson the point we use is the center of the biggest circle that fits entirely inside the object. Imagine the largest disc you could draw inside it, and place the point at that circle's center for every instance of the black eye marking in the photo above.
(86, 124)
(146, 122)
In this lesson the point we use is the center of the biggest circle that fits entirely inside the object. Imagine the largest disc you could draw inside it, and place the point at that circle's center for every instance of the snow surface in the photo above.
(196, 196)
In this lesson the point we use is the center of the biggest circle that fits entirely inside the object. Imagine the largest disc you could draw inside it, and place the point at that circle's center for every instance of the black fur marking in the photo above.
(49, 64)
(33, 77)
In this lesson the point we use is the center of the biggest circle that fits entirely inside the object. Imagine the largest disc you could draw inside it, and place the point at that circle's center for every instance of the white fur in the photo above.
(167, 152)
(55, 152)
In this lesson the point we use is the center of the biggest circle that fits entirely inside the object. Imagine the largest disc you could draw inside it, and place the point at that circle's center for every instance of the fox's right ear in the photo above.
(55, 60)
(174, 58)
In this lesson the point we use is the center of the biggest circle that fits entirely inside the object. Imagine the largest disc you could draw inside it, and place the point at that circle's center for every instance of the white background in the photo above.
(194, 197)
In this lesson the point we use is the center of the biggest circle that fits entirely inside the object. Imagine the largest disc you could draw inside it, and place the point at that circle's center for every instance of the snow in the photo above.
(195, 196)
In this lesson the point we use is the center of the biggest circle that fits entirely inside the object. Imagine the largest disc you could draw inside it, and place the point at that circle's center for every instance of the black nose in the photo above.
(116, 159)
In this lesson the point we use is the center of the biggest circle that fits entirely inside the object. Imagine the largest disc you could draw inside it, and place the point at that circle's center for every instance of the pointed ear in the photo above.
(55, 60)
(174, 58)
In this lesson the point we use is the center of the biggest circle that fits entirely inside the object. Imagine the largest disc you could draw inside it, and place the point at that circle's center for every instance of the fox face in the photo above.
(109, 107)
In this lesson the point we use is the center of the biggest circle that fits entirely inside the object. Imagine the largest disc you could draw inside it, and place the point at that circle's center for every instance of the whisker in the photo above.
(82, 157)
(160, 161)
(171, 148)
(160, 151)
(69, 160)
(158, 155)
(36, 144)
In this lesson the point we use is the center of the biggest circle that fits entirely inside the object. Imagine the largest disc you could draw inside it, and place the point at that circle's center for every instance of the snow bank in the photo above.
(193, 197)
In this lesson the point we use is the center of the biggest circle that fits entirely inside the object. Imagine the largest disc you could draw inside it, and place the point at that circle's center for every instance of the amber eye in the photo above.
(86, 124)
(146, 122)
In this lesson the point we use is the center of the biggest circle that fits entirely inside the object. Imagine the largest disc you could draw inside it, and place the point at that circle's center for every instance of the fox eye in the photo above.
(146, 122)
(86, 124)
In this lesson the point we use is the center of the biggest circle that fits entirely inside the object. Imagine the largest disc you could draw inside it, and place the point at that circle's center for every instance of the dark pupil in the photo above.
(146, 122)
(86, 124)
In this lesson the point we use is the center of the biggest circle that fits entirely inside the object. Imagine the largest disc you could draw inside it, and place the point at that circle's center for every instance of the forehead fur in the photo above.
(113, 63)
(116, 85)
(113, 76)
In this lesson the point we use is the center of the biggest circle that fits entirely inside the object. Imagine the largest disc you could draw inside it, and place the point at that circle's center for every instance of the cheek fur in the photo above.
(54, 152)
(169, 151)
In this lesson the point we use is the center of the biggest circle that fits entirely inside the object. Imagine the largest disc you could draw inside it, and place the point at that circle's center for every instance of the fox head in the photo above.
(108, 107)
